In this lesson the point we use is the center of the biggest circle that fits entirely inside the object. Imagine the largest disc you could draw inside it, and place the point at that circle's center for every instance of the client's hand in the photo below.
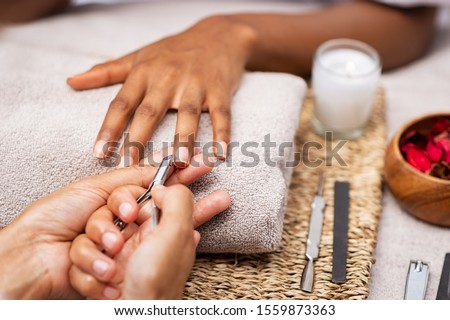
(144, 263)
(34, 251)
(194, 71)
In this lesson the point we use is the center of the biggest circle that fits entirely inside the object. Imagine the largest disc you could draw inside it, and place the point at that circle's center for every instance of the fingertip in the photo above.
(181, 157)
(223, 199)
(111, 293)
(221, 150)
(104, 269)
(99, 149)
(197, 238)
(127, 211)
(122, 203)
(76, 82)
(111, 242)
(71, 82)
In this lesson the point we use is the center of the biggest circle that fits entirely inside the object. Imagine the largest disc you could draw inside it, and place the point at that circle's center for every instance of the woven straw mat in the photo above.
(277, 275)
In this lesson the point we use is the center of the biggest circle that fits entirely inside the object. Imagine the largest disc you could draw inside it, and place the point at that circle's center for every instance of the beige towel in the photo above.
(47, 132)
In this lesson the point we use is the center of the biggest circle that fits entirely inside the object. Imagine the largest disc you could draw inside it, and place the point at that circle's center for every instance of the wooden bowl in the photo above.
(426, 197)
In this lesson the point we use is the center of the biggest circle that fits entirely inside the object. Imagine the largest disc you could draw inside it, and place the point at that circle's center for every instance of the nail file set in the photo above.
(418, 271)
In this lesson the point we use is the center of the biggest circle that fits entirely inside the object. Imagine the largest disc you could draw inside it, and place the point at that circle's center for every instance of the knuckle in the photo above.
(98, 67)
(174, 66)
(83, 253)
(93, 228)
(222, 134)
(222, 110)
(120, 103)
(85, 284)
(189, 109)
(88, 284)
(141, 70)
(147, 110)
(75, 249)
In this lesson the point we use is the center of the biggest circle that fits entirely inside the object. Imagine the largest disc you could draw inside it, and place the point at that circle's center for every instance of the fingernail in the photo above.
(126, 209)
(98, 149)
(100, 267)
(111, 293)
(109, 239)
(197, 238)
(221, 150)
(182, 157)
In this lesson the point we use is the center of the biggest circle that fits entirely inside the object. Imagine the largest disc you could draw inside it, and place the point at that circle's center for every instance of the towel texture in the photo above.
(47, 133)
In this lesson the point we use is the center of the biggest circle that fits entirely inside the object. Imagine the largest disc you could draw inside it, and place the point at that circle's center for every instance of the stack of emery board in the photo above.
(277, 275)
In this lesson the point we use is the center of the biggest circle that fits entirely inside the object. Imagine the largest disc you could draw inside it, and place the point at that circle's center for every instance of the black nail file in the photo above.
(444, 284)
(340, 231)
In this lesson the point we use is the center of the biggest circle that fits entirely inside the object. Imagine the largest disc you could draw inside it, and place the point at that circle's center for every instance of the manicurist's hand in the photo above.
(34, 251)
(194, 71)
(139, 262)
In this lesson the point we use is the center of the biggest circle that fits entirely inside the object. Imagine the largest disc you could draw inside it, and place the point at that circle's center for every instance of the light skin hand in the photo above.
(44, 231)
(35, 247)
(191, 72)
(170, 241)
(168, 252)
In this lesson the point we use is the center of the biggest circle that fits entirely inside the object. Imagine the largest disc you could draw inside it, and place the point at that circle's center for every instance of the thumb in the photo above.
(176, 204)
(104, 74)
(168, 253)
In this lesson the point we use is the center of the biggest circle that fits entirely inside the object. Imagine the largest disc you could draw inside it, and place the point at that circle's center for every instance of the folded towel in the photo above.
(47, 132)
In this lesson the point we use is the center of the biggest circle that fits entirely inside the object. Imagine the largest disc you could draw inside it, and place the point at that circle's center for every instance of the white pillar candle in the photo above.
(345, 77)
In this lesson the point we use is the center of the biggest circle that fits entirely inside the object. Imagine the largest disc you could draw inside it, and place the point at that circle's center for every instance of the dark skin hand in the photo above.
(27, 10)
(194, 72)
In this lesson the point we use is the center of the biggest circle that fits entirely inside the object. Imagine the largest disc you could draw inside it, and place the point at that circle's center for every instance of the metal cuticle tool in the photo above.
(314, 234)
(143, 200)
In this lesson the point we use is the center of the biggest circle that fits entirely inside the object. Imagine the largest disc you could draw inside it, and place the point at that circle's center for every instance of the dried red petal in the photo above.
(444, 145)
(434, 152)
(406, 147)
(440, 125)
(418, 159)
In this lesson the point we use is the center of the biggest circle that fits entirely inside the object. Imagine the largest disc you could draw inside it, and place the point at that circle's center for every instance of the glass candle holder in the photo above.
(345, 77)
